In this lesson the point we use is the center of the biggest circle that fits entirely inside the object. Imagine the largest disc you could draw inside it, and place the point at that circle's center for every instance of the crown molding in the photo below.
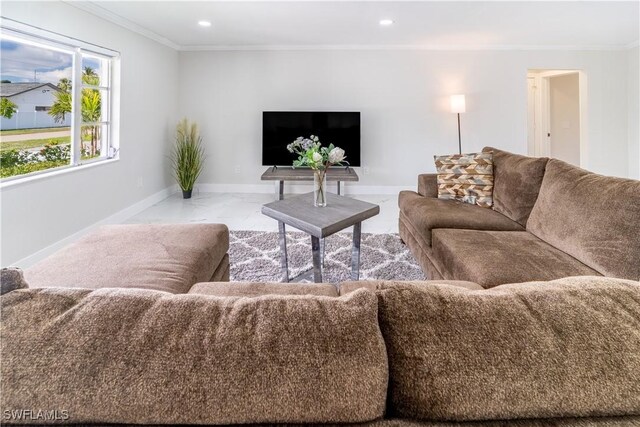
(94, 9)
(103, 13)
(219, 48)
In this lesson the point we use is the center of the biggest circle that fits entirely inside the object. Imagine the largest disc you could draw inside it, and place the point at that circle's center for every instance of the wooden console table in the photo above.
(283, 173)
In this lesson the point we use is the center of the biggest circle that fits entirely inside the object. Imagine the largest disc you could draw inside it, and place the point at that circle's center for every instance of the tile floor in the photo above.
(242, 211)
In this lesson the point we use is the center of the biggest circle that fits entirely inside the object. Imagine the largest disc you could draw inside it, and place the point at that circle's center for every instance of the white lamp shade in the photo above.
(457, 104)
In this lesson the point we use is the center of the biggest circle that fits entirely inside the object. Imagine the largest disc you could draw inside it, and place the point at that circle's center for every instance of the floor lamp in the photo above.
(458, 106)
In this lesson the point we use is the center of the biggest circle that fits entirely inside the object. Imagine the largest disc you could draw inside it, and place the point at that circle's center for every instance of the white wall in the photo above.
(633, 113)
(403, 97)
(564, 103)
(39, 213)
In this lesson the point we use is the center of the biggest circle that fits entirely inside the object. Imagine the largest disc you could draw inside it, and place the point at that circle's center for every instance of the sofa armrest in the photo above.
(428, 185)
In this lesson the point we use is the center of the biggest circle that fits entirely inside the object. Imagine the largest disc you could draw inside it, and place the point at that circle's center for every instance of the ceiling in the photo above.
(355, 24)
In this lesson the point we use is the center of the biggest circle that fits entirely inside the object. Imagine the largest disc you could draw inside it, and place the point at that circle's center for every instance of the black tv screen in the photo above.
(280, 128)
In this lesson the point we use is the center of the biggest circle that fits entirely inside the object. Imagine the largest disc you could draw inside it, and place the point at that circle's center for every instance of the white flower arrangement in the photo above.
(311, 153)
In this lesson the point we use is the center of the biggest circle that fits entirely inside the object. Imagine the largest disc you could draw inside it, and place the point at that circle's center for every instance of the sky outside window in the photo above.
(26, 63)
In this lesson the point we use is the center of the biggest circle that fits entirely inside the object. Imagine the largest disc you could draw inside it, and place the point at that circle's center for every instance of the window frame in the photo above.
(110, 148)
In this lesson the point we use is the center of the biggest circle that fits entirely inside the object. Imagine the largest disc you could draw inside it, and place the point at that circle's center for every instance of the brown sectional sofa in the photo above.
(560, 353)
(549, 220)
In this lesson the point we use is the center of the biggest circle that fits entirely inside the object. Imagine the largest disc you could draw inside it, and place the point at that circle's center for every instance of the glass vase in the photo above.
(320, 188)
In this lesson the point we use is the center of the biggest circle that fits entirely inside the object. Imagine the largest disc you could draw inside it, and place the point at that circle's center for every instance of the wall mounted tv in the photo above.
(280, 128)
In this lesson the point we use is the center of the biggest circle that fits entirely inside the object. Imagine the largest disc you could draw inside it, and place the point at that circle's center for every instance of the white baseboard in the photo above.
(116, 218)
(347, 188)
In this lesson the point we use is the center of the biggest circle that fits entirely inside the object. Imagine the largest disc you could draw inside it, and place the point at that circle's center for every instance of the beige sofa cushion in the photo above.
(351, 286)
(516, 181)
(567, 348)
(594, 218)
(246, 289)
(427, 214)
(492, 258)
(143, 357)
(164, 257)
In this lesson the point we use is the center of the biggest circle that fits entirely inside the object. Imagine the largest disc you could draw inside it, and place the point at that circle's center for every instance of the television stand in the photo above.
(283, 173)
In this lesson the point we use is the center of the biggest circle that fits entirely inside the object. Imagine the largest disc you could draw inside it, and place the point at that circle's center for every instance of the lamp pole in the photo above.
(459, 137)
(458, 105)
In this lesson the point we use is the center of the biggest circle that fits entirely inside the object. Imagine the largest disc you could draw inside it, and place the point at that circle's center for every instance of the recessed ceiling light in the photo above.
(386, 22)
(204, 23)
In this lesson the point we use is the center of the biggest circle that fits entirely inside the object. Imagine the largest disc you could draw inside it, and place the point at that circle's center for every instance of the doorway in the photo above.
(556, 109)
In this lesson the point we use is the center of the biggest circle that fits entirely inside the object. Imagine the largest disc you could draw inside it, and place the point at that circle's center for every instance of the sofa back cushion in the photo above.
(257, 289)
(567, 348)
(516, 182)
(148, 357)
(593, 218)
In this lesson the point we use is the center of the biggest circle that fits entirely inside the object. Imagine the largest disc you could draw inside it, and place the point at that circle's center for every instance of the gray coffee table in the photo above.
(298, 212)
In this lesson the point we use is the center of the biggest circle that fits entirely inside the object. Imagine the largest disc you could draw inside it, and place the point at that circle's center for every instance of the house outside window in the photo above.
(57, 102)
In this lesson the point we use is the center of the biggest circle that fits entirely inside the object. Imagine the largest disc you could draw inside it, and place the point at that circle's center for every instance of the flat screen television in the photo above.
(280, 128)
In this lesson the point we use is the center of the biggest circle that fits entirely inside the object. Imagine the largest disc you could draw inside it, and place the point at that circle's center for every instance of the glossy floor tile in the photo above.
(242, 211)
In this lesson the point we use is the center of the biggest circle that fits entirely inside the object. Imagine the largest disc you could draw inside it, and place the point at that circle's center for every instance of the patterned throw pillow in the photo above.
(466, 177)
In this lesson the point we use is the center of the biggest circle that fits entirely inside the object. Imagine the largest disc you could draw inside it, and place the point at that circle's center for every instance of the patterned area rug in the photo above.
(255, 257)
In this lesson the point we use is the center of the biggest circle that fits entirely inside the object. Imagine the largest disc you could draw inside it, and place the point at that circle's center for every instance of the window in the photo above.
(57, 103)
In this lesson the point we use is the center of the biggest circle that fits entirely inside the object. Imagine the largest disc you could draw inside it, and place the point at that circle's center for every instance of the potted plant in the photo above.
(312, 154)
(187, 156)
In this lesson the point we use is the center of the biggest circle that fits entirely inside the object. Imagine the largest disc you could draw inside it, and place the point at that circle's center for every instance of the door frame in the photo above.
(542, 143)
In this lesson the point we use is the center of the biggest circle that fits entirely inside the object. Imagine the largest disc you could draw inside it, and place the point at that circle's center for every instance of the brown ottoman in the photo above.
(164, 257)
